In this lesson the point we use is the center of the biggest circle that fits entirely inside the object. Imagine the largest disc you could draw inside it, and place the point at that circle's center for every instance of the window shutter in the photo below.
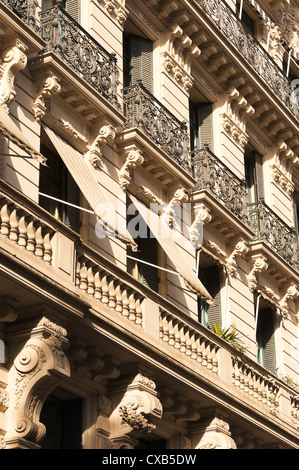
(73, 197)
(72, 7)
(149, 253)
(210, 278)
(72, 424)
(258, 176)
(266, 339)
(205, 126)
(142, 61)
(296, 212)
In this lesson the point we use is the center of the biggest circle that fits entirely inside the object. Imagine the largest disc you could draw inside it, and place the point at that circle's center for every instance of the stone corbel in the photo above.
(50, 87)
(240, 249)
(291, 293)
(180, 196)
(202, 217)
(259, 265)
(106, 134)
(136, 406)
(134, 158)
(13, 59)
(116, 9)
(216, 434)
(40, 366)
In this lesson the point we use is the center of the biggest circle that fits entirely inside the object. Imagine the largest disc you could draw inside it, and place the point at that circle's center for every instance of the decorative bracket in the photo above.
(240, 249)
(12, 60)
(106, 134)
(202, 216)
(134, 159)
(291, 293)
(50, 87)
(180, 196)
(260, 264)
(37, 370)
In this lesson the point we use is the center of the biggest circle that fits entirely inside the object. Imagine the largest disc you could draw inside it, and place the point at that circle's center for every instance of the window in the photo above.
(254, 175)
(210, 276)
(138, 61)
(201, 128)
(246, 18)
(57, 182)
(265, 338)
(71, 6)
(296, 211)
(63, 419)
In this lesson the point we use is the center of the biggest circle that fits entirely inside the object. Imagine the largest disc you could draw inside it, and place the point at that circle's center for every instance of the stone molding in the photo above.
(39, 367)
(13, 59)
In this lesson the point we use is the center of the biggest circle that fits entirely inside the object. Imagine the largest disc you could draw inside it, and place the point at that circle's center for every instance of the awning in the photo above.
(91, 189)
(172, 249)
(11, 130)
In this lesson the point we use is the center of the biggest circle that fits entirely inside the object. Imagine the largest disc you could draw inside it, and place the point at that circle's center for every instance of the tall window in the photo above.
(210, 276)
(71, 6)
(246, 18)
(296, 211)
(265, 338)
(138, 61)
(56, 182)
(63, 419)
(147, 252)
(201, 125)
(254, 175)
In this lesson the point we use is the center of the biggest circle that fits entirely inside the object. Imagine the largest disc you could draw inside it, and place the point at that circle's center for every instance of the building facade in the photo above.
(149, 200)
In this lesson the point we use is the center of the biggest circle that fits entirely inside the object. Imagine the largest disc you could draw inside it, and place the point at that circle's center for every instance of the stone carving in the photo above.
(281, 178)
(116, 9)
(38, 368)
(136, 405)
(259, 265)
(180, 196)
(51, 86)
(106, 134)
(240, 249)
(216, 434)
(8, 309)
(133, 159)
(12, 60)
(291, 293)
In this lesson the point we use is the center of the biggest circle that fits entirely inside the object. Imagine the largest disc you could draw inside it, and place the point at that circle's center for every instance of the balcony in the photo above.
(270, 228)
(213, 175)
(251, 50)
(74, 46)
(144, 112)
(37, 249)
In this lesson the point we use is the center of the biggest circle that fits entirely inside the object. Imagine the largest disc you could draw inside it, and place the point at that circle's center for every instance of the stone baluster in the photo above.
(22, 241)
(13, 225)
(5, 216)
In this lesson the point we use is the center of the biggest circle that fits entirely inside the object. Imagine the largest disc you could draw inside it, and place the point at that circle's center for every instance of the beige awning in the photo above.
(11, 130)
(169, 244)
(90, 188)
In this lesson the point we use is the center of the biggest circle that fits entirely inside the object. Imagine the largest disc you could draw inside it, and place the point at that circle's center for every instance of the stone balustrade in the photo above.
(108, 288)
(250, 381)
(189, 341)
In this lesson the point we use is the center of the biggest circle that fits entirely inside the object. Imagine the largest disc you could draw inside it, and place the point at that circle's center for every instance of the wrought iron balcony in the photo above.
(26, 10)
(213, 175)
(80, 51)
(143, 111)
(257, 57)
(270, 228)
(73, 45)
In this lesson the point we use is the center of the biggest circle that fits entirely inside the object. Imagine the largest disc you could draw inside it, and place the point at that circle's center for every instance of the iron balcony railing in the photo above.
(26, 10)
(213, 175)
(73, 45)
(270, 228)
(143, 111)
(80, 51)
(252, 51)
